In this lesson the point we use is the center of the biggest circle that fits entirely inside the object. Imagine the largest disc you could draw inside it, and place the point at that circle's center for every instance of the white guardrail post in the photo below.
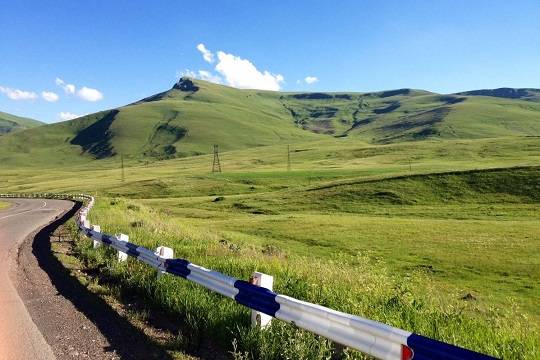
(96, 243)
(122, 256)
(163, 252)
(259, 319)
(371, 337)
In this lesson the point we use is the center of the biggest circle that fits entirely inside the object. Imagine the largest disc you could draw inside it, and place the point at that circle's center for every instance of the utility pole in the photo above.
(216, 166)
(122, 165)
(288, 158)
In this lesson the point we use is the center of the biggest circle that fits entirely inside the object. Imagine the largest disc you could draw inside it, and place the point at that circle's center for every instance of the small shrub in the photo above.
(242, 206)
(136, 224)
(271, 250)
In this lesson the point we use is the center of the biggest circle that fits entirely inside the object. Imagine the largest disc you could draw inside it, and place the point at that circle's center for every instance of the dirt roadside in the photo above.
(75, 322)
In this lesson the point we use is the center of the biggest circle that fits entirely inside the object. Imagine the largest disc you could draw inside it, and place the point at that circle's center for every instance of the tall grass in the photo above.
(357, 285)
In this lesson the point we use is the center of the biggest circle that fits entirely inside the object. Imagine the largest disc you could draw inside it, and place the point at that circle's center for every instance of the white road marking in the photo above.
(26, 211)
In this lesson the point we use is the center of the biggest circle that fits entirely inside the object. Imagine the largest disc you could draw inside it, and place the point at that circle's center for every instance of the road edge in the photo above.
(103, 332)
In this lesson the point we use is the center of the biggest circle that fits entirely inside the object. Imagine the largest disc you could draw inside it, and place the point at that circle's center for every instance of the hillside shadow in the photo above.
(393, 106)
(96, 138)
(125, 340)
(418, 127)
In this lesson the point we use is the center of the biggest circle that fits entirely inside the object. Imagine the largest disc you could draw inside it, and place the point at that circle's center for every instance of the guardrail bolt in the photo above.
(259, 319)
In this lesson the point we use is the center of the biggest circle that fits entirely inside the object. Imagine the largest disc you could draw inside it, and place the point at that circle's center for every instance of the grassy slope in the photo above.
(312, 162)
(213, 115)
(415, 244)
(190, 123)
(416, 115)
(184, 123)
(439, 221)
(413, 250)
(407, 221)
(46, 145)
(507, 93)
(481, 117)
(10, 123)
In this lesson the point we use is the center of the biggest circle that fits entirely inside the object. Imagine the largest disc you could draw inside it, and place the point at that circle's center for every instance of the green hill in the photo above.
(508, 93)
(11, 123)
(184, 121)
(192, 116)
(405, 115)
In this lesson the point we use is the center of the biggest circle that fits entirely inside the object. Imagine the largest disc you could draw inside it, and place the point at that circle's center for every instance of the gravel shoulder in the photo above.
(75, 322)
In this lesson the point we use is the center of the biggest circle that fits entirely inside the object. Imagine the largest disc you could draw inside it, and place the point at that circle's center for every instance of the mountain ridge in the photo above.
(190, 117)
(529, 94)
(11, 123)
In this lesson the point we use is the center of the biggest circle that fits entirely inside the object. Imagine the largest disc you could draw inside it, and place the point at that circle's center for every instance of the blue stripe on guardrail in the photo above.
(177, 267)
(256, 297)
(106, 239)
(425, 348)
(132, 249)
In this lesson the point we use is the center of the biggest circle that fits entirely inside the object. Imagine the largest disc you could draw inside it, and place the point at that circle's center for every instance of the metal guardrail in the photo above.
(371, 337)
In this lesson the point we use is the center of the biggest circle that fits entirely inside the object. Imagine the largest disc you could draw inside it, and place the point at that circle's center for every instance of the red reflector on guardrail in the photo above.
(406, 353)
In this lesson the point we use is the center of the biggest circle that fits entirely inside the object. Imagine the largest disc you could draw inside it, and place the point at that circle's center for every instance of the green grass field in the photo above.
(438, 237)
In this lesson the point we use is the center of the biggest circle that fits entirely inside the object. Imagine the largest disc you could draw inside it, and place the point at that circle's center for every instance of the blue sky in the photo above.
(110, 53)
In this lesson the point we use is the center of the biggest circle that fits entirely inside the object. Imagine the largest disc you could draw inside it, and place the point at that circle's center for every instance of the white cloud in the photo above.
(207, 54)
(68, 116)
(235, 71)
(16, 94)
(241, 73)
(311, 79)
(85, 93)
(208, 76)
(201, 74)
(186, 73)
(89, 94)
(49, 96)
(68, 88)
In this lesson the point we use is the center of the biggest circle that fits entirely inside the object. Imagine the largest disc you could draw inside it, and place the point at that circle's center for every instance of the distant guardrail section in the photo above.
(371, 337)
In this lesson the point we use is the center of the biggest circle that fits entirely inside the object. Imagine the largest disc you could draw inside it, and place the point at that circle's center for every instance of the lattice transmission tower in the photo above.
(216, 166)
(288, 158)
(122, 166)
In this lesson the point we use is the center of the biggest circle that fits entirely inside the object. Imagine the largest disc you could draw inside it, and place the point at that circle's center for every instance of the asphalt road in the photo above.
(20, 338)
